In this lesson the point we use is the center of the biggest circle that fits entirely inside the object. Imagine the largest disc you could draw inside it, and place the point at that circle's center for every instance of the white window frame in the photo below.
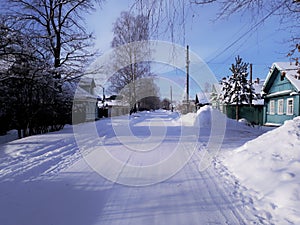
(272, 107)
(280, 109)
(290, 108)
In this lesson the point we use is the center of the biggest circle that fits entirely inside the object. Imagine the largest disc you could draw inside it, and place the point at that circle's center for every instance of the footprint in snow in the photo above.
(287, 176)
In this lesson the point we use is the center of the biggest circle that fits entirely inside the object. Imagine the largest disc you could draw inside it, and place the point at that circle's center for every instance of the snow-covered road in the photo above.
(52, 179)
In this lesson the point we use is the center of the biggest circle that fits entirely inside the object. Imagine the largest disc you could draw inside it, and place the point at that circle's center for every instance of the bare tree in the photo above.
(29, 100)
(43, 43)
(166, 17)
(130, 32)
(57, 28)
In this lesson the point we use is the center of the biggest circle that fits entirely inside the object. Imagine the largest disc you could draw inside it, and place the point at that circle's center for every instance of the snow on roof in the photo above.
(258, 86)
(78, 92)
(113, 103)
(82, 94)
(290, 70)
(217, 88)
(258, 102)
(203, 97)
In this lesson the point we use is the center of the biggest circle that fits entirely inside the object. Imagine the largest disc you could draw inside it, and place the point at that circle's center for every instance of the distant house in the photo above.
(214, 96)
(88, 84)
(84, 101)
(113, 106)
(281, 93)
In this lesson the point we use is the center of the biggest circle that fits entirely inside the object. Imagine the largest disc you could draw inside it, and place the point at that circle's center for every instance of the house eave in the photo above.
(272, 124)
(289, 75)
(279, 93)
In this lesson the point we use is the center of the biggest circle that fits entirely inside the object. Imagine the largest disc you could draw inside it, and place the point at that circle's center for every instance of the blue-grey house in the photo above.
(281, 92)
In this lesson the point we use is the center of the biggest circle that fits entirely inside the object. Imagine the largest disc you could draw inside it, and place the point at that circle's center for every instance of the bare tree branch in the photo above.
(57, 25)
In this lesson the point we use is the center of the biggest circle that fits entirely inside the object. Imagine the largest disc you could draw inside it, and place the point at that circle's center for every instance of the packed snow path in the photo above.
(46, 180)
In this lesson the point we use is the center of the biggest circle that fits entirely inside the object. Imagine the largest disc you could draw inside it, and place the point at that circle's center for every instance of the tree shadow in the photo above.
(49, 202)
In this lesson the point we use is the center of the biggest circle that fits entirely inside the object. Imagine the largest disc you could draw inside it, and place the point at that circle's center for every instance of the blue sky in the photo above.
(209, 39)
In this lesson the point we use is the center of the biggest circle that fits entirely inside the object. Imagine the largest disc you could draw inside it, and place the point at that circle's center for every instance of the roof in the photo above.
(86, 81)
(203, 97)
(291, 73)
(217, 88)
(79, 93)
(258, 102)
(258, 86)
(113, 103)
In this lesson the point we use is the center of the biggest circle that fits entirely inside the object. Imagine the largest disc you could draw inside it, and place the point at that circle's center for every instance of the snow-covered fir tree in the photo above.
(237, 89)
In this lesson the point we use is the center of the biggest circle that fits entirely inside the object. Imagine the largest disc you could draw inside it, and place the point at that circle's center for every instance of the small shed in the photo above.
(281, 93)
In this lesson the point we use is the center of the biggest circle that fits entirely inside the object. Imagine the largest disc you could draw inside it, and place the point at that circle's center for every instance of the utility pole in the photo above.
(250, 84)
(187, 78)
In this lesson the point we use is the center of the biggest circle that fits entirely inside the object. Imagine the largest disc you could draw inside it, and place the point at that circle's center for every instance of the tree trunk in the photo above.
(19, 133)
(237, 112)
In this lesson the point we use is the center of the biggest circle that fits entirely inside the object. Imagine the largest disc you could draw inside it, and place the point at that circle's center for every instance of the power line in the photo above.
(246, 33)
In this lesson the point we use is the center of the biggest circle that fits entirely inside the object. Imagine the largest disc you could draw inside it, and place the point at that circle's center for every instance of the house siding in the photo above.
(279, 88)
(297, 105)
(280, 85)
(253, 114)
(277, 118)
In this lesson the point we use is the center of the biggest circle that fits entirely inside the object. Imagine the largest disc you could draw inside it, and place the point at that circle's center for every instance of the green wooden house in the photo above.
(281, 92)
(252, 113)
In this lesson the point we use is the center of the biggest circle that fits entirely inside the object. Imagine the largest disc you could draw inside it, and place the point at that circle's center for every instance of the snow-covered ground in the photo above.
(269, 169)
(10, 136)
(144, 169)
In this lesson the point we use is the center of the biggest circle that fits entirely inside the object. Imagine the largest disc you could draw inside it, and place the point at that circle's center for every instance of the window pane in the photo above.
(272, 107)
(290, 106)
(280, 106)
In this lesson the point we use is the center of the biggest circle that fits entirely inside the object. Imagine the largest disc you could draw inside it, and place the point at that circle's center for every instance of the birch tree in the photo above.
(129, 58)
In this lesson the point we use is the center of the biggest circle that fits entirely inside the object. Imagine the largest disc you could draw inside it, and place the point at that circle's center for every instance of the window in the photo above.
(280, 107)
(272, 107)
(290, 106)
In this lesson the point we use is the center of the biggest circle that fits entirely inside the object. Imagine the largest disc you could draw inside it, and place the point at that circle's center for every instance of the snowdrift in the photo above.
(205, 115)
(270, 166)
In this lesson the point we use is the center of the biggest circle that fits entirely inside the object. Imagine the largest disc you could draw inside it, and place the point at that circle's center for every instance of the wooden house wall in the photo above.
(277, 85)
(253, 114)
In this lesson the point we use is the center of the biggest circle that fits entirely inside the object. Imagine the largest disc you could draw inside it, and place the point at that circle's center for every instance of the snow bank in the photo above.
(10, 136)
(188, 119)
(270, 166)
(204, 116)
